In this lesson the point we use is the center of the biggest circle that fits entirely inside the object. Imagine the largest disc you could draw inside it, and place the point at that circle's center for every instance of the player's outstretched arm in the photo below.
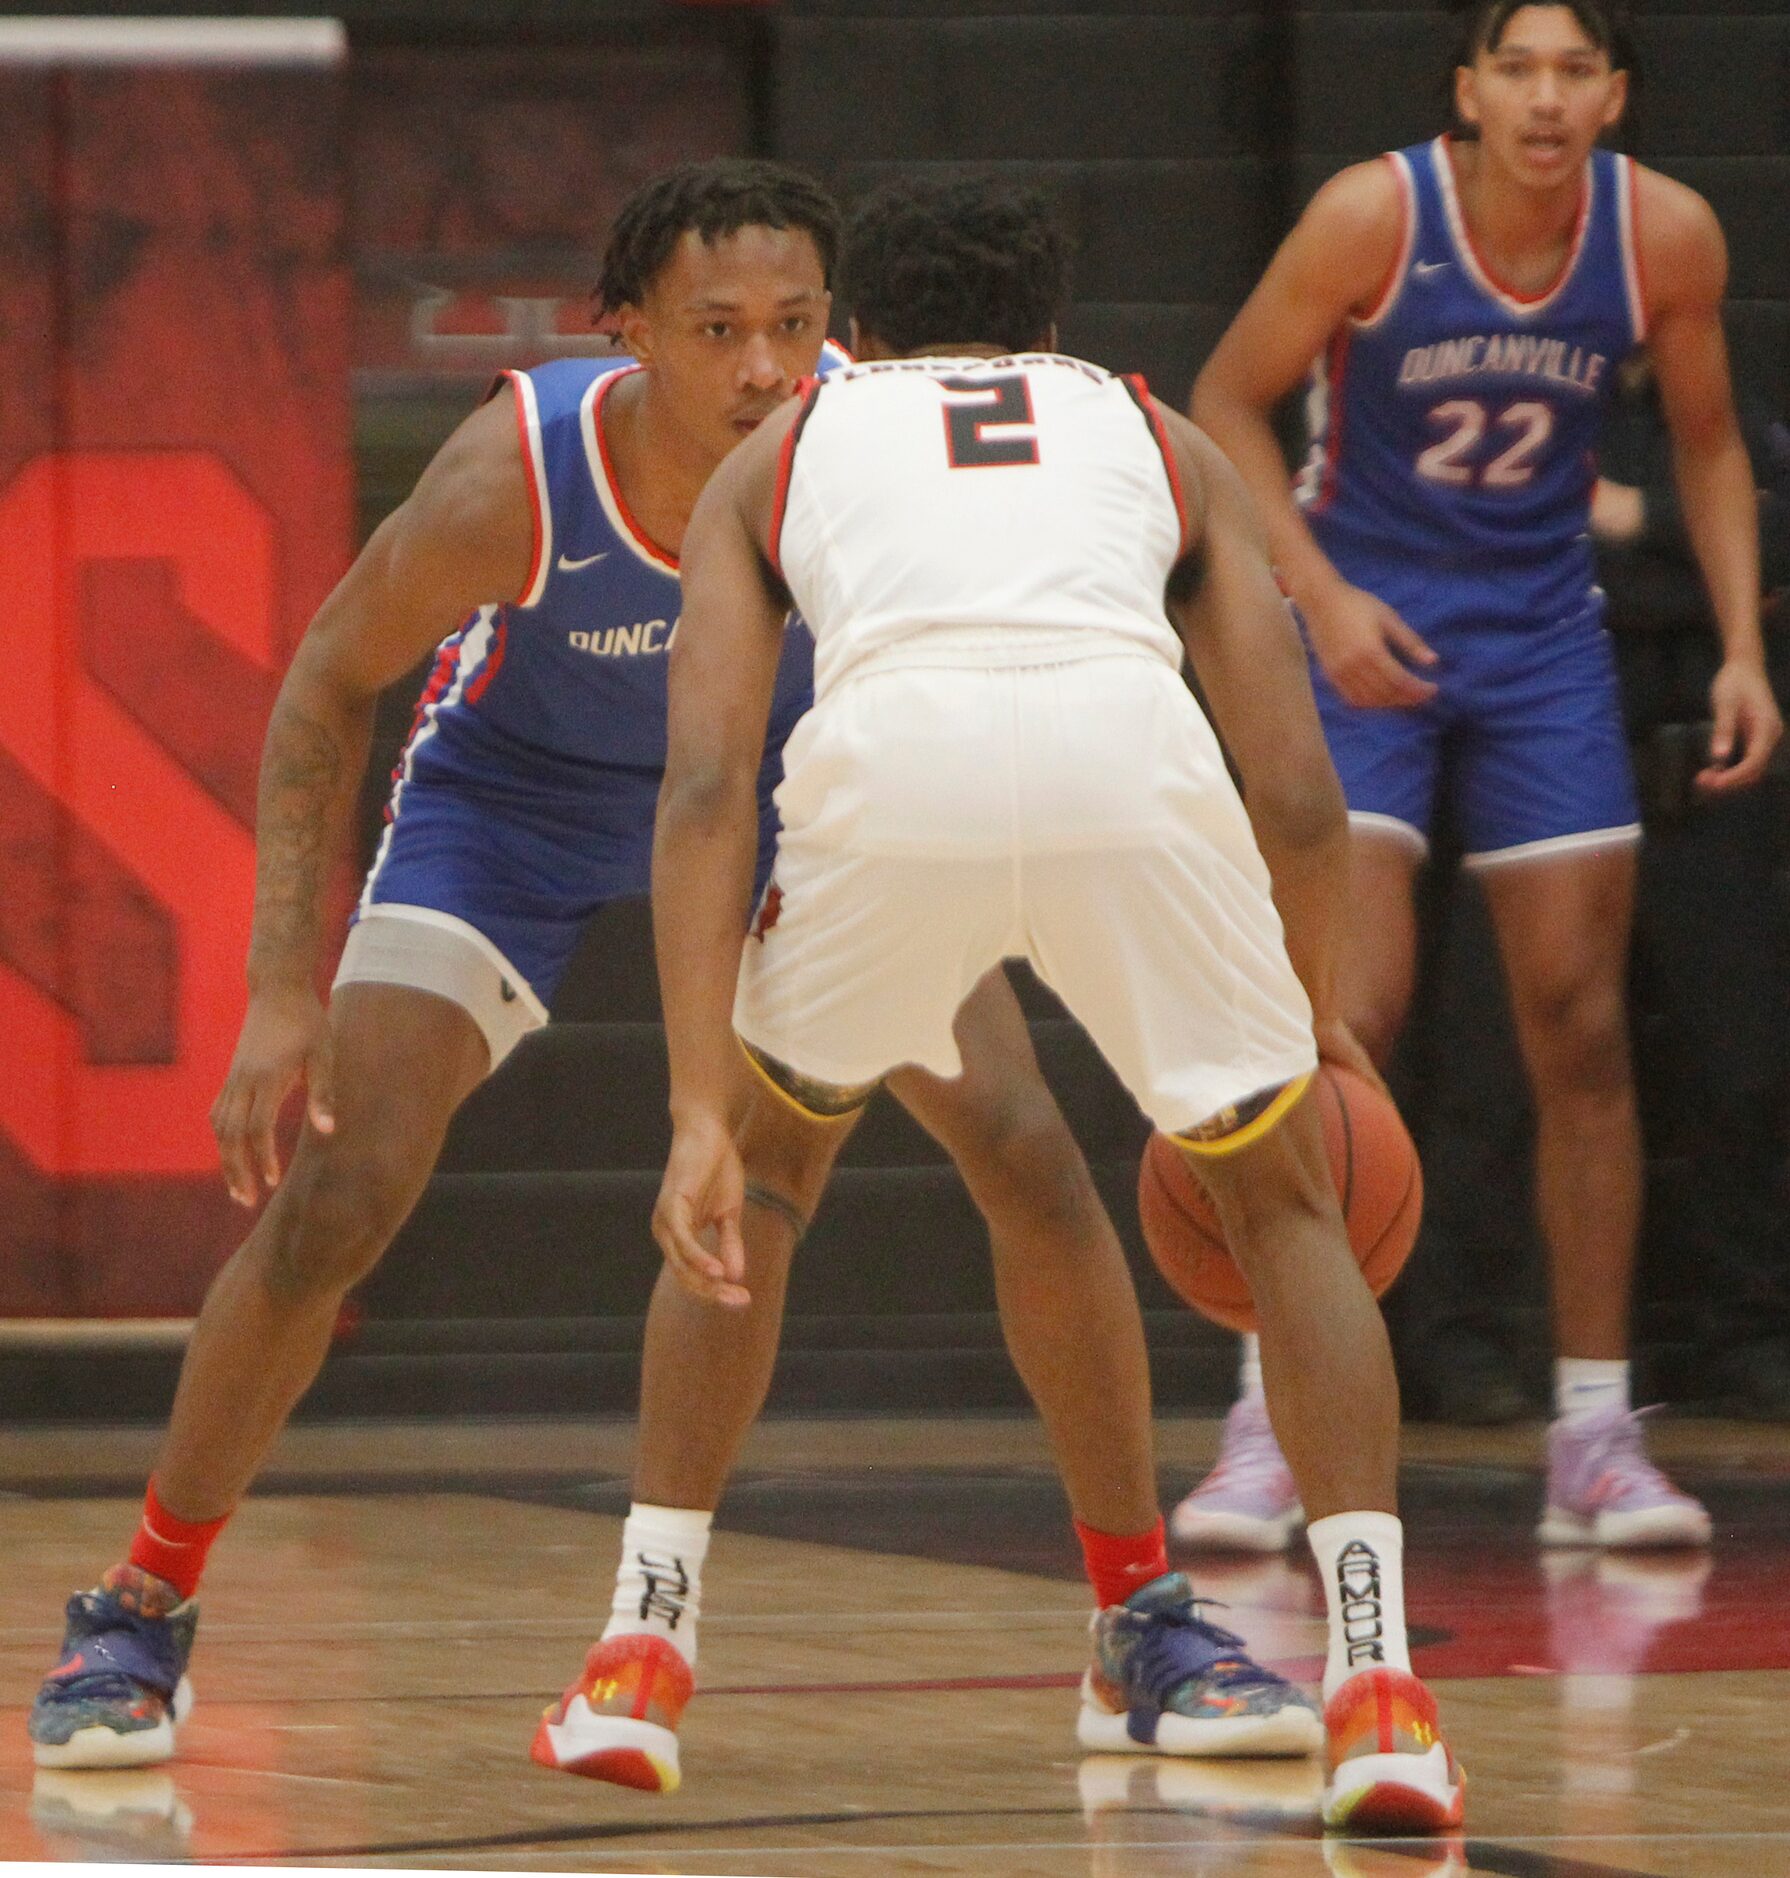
(1240, 635)
(1684, 265)
(1335, 263)
(463, 539)
(723, 670)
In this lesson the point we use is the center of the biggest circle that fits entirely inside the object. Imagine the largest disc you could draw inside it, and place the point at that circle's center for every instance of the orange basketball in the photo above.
(1377, 1179)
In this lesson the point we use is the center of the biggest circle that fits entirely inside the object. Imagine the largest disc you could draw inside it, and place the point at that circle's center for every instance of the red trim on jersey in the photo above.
(1485, 267)
(1136, 384)
(807, 390)
(441, 677)
(534, 482)
(1401, 259)
(1336, 370)
(642, 540)
(493, 661)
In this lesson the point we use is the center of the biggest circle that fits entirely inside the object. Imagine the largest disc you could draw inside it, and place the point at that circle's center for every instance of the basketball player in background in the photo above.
(543, 541)
(1002, 760)
(1461, 308)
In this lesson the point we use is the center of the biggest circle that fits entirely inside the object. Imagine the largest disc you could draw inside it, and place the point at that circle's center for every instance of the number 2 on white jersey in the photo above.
(1467, 420)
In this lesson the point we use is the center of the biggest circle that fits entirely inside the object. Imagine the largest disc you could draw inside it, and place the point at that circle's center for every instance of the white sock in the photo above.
(1361, 1559)
(658, 1585)
(1249, 1368)
(1589, 1385)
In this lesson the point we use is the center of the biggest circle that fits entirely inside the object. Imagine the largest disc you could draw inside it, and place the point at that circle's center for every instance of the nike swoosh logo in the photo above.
(1424, 269)
(568, 566)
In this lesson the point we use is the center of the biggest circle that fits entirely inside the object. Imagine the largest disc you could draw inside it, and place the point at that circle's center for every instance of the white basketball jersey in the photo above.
(988, 512)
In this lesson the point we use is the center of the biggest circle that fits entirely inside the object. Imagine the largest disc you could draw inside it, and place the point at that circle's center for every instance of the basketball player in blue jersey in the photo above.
(1461, 308)
(543, 540)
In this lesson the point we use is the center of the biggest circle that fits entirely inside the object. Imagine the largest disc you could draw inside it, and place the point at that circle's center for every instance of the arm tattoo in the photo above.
(304, 771)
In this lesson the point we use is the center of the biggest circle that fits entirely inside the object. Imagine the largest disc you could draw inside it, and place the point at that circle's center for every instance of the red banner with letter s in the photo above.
(175, 501)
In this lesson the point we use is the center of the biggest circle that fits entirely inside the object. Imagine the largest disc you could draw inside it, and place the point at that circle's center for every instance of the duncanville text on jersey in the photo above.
(1505, 355)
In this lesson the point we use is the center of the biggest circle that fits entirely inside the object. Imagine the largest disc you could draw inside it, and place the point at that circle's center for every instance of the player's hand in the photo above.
(1338, 1044)
(1618, 512)
(697, 1218)
(285, 1034)
(1746, 728)
(1367, 651)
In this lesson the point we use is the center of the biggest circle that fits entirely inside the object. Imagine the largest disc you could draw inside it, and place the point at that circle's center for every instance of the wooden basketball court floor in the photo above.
(892, 1634)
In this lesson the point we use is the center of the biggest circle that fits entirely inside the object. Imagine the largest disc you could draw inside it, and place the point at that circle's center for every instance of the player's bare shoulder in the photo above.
(477, 483)
(464, 537)
(1353, 229)
(1683, 252)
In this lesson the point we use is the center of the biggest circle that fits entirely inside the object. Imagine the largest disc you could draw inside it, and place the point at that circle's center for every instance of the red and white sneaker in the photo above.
(618, 1721)
(1391, 1773)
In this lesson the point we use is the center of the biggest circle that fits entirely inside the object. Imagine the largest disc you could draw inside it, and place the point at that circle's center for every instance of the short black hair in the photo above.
(712, 199)
(968, 260)
(1603, 22)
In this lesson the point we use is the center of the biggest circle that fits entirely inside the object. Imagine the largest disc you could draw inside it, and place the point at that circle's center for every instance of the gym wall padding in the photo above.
(175, 501)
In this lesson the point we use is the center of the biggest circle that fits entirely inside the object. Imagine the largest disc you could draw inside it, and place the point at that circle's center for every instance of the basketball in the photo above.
(1378, 1182)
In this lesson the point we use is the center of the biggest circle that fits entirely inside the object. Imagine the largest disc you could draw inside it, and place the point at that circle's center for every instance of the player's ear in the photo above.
(1050, 338)
(1466, 94)
(1617, 102)
(636, 333)
(854, 337)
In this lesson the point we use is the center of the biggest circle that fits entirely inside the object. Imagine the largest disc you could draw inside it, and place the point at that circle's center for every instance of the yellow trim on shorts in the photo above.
(1255, 1128)
(777, 1089)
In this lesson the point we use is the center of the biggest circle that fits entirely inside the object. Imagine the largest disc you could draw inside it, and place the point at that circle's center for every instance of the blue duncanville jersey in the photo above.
(547, 693)
(1454, 427)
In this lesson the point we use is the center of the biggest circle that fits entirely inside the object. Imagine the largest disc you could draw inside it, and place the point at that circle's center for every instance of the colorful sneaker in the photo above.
(120, 1689)
(1390, 1770)
(1248, 1503)
(618, 1721)
(1603, 1490)
(1163, 1681)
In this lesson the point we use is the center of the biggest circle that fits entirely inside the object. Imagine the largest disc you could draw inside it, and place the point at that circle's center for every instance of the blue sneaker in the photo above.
(120, 1688)
(1163, 1681)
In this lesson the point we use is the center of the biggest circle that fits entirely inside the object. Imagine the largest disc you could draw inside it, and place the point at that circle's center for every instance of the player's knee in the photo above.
(787, 1156)
(338, 1210)
(1579, 1039)
(1023, 1160)
(1271, 1192)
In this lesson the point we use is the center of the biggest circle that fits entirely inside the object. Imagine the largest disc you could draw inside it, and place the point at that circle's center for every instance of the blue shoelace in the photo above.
(1178, 1647)
(140, 1652)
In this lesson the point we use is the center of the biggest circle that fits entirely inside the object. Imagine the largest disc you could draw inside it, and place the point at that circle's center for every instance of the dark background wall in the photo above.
(1180, 141)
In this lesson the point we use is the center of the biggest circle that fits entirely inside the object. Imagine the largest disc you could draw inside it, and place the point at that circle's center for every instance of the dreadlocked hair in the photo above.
(971, 261)
(711, 199)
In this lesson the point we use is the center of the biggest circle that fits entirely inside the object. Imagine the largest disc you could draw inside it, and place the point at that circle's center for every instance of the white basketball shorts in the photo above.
(1079, 815)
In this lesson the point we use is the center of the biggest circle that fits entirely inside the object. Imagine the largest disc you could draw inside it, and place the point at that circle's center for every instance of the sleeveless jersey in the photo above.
(977, 511)
(546, 692)
(1453, 429)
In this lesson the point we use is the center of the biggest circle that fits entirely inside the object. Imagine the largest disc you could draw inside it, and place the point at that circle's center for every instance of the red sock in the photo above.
(1121, 1564)
(173, 1548)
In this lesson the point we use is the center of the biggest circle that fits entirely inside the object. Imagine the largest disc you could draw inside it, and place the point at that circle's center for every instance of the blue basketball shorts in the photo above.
(1525, 734)
(524, 869)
